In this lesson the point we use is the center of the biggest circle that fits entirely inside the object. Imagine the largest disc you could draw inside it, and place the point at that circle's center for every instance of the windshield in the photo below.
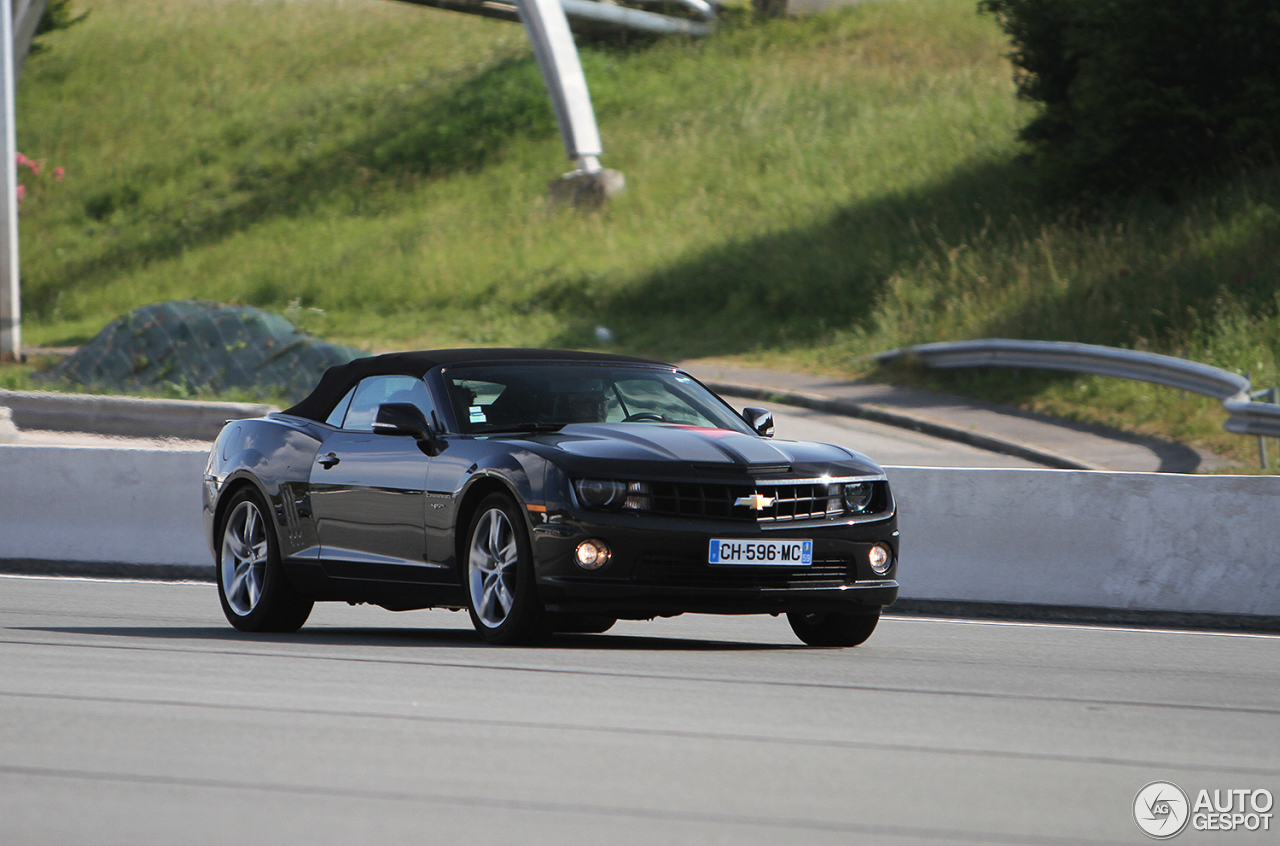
(524, 397)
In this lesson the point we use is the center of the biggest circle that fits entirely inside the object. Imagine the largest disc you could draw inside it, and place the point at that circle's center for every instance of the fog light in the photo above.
(881, 558)
(592, 554)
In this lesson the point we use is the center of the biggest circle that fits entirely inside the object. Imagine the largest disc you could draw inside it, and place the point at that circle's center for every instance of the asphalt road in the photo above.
(888, 445)
(130, 713)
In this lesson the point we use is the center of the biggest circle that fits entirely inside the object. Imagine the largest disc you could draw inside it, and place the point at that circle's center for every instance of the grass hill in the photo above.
(802, 193)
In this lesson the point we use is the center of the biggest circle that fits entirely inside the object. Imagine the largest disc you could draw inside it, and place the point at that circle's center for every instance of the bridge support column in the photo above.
(548, 30)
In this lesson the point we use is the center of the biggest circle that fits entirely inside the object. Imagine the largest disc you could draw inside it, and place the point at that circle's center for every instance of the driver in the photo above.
(584, 407)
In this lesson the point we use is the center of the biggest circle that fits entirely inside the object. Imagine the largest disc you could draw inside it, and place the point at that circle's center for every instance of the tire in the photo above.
(833, 629)
(501, 595)
(255, 592)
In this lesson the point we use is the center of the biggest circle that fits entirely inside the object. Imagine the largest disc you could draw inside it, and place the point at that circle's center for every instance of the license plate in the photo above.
(770, 553)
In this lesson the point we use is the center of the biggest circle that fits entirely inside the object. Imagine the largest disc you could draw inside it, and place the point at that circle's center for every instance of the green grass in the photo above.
(800, 193)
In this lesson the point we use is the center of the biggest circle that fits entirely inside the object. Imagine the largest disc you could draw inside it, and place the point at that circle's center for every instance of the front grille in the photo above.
(788, 501)
(682, 571)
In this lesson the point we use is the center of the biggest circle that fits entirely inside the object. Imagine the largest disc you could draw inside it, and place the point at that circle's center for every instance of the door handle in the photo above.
(329, 460)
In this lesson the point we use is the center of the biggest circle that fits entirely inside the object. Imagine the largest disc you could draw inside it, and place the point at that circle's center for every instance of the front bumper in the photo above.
(659, 567)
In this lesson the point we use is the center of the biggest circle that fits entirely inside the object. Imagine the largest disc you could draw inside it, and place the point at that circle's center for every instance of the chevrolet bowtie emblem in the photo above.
(756, 502)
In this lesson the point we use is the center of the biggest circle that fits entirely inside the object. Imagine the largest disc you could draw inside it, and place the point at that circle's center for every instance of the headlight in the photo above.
(601, 493)
(598, 493)
(857, 496)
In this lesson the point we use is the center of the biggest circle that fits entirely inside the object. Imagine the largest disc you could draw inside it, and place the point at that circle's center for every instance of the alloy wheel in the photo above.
(244, 558)
(492, 567)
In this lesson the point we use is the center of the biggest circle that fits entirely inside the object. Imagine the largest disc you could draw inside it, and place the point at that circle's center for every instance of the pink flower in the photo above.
(57, 173)
(35, 166)
(22, 192)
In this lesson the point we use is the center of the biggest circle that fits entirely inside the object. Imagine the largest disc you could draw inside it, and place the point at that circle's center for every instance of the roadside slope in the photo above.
(802, 194)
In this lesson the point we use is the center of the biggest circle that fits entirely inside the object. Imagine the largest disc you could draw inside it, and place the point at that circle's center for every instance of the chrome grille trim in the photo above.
(830, 480)
(793, 500)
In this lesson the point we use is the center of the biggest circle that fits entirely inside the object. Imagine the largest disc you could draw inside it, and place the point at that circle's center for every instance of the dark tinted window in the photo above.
(511, 397)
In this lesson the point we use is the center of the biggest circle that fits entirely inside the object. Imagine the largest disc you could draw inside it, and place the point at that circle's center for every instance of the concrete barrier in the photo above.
(1133, 541)
(8, 432)
(1142, 542)
(125, 416)
(102, 511)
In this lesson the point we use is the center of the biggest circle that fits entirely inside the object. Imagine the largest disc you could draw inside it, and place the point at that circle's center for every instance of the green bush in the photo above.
(1145, 92)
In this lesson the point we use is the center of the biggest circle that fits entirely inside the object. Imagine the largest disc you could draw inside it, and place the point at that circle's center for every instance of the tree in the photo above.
(1145, 92)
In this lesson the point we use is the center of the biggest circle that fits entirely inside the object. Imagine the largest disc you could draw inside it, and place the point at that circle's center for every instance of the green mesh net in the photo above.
(190, 347)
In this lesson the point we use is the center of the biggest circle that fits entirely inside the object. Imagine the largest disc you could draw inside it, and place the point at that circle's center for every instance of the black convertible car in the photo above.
(544, 491)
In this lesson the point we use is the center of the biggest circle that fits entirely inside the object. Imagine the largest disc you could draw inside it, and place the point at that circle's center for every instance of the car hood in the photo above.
(708, 449)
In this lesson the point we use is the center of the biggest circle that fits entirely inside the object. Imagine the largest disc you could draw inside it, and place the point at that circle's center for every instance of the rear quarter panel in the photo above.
(274, 455)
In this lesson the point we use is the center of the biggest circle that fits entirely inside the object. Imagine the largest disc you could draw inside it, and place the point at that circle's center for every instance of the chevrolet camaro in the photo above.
(543, 491)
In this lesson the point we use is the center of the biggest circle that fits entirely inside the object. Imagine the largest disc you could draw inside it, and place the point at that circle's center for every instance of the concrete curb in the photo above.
(124, 416)
(924, 425)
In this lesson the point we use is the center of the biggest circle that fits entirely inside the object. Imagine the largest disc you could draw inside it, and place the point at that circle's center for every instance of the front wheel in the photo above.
(830, 628)
(256, 594)
(501, 594)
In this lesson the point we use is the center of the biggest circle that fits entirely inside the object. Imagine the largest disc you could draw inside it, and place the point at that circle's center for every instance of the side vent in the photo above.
(289, 509)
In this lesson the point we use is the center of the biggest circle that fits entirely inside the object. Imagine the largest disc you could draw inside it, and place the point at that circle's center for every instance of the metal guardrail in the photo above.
(1246, 416)
(1080, 358)
(1253, 418)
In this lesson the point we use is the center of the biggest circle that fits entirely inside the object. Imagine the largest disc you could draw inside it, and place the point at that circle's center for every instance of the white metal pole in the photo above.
(10, 302)
(26, 18)
(557, 56)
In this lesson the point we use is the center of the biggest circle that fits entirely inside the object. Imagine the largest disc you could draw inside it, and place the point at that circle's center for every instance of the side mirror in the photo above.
(760, 420)
(402, 418)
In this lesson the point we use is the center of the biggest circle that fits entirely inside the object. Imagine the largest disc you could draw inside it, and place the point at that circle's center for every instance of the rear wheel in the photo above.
(829, 628)
(256, 594)
(501, 593)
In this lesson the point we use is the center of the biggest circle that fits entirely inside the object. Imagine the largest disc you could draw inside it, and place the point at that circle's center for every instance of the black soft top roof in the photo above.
(336, 381)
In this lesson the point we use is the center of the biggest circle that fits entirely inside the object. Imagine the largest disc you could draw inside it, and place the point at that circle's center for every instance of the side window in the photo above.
(373, 391)
(340, 410)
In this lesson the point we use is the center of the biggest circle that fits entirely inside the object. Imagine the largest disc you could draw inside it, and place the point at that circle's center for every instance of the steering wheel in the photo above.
(644, 415)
